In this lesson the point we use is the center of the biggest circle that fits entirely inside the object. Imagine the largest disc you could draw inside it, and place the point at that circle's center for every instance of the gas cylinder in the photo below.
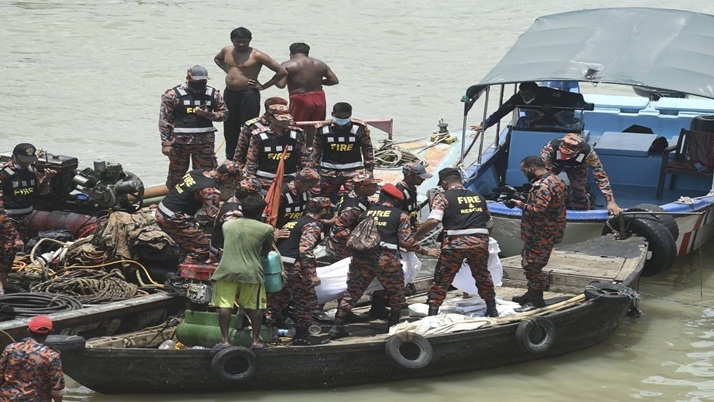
(272, 267)
(200, 328)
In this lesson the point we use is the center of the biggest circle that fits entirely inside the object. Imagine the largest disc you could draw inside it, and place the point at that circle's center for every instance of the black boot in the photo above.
(433, 310)
(536, 299)
(352, 317)
(338, 329)
(523, 299)
(378, 310)
(394, 317)
(491, 310)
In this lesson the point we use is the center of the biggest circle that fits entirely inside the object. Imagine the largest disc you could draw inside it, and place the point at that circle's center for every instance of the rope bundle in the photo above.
(91, 286)
(31, 304)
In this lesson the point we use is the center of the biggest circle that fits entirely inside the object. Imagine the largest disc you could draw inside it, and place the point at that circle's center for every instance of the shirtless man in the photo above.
(305, 79)
(242, 65)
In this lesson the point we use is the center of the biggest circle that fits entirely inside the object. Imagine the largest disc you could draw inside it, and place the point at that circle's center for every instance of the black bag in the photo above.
(364, 237)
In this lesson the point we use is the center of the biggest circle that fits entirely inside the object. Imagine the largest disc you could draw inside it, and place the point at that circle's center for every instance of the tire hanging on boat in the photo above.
(608, 291)
(224, 362)
(535, 335)
(65, 343)
(667, 220)
(393, 349)
(661, 245)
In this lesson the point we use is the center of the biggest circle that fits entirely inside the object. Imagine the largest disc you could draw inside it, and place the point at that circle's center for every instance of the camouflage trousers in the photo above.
(533, 258)
(298, 288)
(8, 235)
(187, 235)
(203, 157)
(454, 249)
(337, 250)
(330, 183)
(386, 266)
(578, 196)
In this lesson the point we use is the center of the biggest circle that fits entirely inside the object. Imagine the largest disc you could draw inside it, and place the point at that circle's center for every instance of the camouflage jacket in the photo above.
(254, 151)
(169, 101)
(591, 160)
(30, 371)
(247, 130)
(543, 218)
(365, 144)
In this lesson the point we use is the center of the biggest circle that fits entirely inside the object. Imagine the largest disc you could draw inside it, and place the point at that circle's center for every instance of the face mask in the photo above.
(341, 122)
(530, 175)
(197, 85)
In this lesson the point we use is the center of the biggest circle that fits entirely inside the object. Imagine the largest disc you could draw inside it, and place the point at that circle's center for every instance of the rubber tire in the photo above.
(66, 343)
(426, 352)
(667, 220)
(659, 239)
(524, 330)
(608, 291)
(223, 356)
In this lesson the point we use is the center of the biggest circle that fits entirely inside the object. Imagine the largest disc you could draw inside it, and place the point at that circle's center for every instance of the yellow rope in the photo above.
(146, 271)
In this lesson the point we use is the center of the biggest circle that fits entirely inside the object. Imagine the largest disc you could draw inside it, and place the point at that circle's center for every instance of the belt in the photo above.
(467, 232)
(269, 175)
(199, 130)
(289, 260)
(342, 166)
(389, 246)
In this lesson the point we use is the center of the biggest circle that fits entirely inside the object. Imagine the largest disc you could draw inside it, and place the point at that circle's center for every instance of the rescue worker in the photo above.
(251, 127)
(383, 263)
(414, 175)
(176, 213)
(342, 149)
(542, 226)
(467, 224)
(232, 209)
(352, 205)
(300, 271)
(267, 146)
(572, 155)
(293, 201)
(186, 121)
(19, 180)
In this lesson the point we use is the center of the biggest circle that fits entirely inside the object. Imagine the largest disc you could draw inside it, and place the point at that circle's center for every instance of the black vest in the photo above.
(271, 148)
(18, 188)
(185, 120)
(292, 208)
(347, 201)
(563, 165)
(410, 205)
(466, 212)
(387, 224)
(217, 233)
(341, 146)
(181, 197)
(290, 248)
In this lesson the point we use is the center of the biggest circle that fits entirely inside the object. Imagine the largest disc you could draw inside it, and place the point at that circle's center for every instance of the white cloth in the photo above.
(465, 282)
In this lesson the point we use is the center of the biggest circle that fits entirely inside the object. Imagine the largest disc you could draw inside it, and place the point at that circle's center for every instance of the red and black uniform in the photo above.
(30, 371)
(466, 220)
(265, 150)
(348, 213)
(292, 206)
(247, 130)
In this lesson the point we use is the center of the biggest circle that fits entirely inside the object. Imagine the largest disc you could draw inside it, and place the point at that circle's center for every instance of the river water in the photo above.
(84, 78)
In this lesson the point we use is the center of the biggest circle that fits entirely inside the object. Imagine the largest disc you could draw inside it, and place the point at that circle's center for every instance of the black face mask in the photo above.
(197, 86)
(530, 175)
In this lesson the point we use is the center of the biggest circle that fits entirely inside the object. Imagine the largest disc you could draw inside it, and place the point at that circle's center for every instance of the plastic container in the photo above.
(273, 268)
(199, 272)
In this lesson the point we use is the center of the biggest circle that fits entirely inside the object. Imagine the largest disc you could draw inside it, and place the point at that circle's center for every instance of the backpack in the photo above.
(364, 236)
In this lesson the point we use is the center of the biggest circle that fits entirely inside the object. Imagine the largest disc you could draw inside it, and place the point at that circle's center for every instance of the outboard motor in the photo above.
(108, 186)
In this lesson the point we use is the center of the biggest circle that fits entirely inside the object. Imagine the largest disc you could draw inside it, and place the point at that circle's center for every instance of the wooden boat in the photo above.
(589, 297)
(598, 47)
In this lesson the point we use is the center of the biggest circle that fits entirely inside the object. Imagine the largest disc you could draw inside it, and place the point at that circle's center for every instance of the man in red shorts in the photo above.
(305, 79)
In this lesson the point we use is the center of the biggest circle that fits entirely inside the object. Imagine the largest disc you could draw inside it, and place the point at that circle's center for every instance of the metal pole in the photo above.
(463, 136)
(483, 129)
(498, 125)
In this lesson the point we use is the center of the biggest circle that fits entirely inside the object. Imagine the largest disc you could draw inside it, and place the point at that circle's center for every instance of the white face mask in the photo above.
(341, 122)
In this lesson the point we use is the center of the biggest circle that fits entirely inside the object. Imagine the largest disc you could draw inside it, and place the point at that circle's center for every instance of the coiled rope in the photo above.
(31, 304)
(91, 286)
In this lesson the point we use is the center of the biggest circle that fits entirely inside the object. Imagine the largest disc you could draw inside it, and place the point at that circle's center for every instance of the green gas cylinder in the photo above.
(200, 328)
(272, 267)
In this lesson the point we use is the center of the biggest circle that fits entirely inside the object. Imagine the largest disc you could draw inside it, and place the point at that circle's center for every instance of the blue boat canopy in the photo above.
(651, 47)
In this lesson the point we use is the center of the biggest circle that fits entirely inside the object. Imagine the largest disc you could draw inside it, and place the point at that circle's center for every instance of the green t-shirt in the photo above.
(242, 247)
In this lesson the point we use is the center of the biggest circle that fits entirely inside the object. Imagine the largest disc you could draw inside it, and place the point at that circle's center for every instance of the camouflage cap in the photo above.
(572, 144)
(365, 180)
(319, 203)
(249, 184)
(275, 100)
(307, 174)
(416, 169)
(278, 109)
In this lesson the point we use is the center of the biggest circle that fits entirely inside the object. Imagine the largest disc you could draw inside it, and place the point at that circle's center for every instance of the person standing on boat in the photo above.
(572, 155)
(342, 149)
(350, 208)
(242, 65)
(232, 209)
(414, 175)
(251, 127)
(31, 370)
(239, 276)
(267, 146)
(297, 253)
(383, 263)
(186, 121)
(293, 201)
(19, 180)
(176, 213)
(306, 77)
(467, 224)
(542, 226)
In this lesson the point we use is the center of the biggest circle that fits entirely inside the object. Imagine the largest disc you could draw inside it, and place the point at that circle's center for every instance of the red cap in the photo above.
(393, 191)
(40, 324)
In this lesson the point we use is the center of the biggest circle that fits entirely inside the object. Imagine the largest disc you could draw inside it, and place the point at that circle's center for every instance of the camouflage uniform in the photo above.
(383, 263)
(175, 213)
(542, 226)
(350, 208)
(189, 143)
(336, 157)
(247, 130)
(576, 167)
(457, 245)
(30, 371)
(300, 271)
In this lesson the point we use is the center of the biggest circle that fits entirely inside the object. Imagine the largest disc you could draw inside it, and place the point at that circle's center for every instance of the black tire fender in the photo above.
(224, 357)
(535, 335)
(395, 342)
(667, 220)
(65, 343)
(608, 291)
(662, 246)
